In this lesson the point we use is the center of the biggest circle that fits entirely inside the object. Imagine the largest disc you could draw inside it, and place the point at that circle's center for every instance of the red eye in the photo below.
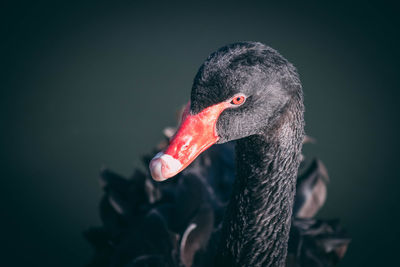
(238, 100)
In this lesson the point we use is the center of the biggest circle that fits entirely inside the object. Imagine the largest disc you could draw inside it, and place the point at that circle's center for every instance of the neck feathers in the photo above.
(257, 221)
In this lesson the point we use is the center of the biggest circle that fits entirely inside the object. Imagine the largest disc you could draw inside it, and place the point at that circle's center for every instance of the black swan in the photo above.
(248, 93)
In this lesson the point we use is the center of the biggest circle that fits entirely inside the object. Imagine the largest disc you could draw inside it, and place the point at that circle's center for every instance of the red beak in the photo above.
(195, 134)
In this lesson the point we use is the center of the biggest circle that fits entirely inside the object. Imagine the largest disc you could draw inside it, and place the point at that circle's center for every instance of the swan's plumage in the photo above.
(179, 222)
(146, 223)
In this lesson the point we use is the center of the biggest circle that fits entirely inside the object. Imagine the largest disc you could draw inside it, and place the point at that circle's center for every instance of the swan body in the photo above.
(249, 94)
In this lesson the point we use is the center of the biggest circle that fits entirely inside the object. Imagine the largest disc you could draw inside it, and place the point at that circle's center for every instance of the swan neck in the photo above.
(258, 218)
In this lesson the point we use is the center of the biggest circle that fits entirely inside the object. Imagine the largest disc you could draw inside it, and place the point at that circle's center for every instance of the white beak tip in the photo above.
(164, 166)
(156, 169)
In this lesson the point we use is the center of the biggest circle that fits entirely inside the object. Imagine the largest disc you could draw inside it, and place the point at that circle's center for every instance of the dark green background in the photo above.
(88, 85)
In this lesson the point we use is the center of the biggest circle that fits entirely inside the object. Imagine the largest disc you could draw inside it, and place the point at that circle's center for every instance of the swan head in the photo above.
(240, 90)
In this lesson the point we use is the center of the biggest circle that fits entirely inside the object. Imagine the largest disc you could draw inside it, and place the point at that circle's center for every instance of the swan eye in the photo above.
(238, 100)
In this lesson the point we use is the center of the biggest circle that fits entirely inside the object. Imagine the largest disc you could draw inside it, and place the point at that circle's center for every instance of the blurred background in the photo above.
(86, 85)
